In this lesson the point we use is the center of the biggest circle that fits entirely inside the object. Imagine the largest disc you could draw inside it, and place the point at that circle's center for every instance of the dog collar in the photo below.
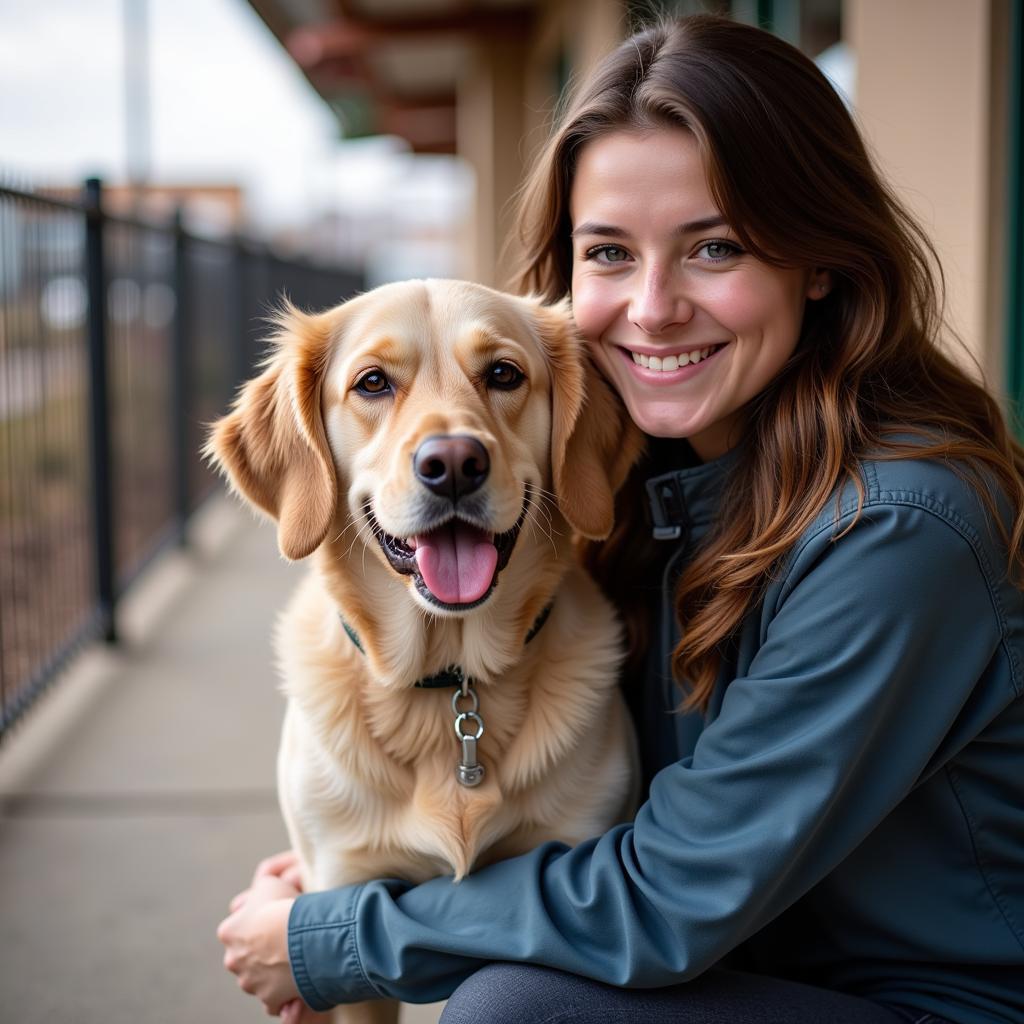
(453, 674)
(469, 771)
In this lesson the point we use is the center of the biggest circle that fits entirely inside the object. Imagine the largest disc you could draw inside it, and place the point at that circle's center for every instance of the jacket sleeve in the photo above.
(870, 649)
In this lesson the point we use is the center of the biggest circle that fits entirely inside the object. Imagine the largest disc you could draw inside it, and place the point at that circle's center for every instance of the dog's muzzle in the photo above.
(454, 565)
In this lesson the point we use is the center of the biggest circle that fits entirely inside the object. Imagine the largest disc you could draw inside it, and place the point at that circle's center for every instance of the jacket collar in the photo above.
(684, 501)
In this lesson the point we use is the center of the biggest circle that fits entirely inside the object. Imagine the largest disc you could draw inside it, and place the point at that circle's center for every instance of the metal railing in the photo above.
(119, 340)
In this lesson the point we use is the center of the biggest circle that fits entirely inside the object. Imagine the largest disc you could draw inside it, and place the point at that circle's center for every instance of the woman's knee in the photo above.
(505, 993)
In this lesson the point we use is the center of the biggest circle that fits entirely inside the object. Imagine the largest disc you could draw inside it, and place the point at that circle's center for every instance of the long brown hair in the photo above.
(788, 169)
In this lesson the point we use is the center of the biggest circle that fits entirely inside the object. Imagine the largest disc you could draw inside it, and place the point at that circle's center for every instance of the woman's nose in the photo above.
(659, 303)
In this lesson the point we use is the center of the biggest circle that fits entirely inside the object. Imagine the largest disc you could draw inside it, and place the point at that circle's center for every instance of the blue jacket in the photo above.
(849, 812)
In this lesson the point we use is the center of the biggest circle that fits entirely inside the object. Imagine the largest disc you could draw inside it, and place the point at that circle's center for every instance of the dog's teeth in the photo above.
(637, 358)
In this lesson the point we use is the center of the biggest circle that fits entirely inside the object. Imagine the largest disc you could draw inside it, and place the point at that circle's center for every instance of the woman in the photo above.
(833, 830)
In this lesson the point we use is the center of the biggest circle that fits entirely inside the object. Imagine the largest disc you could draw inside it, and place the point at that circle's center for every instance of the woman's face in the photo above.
(686, 325)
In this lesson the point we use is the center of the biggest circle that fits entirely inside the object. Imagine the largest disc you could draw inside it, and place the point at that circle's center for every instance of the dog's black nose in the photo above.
(451, 465)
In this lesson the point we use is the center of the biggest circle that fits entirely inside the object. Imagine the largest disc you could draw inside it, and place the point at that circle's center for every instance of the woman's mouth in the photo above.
(671, 367)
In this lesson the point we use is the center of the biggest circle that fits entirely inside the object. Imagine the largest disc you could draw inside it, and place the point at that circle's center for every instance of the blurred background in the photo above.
(169, 169)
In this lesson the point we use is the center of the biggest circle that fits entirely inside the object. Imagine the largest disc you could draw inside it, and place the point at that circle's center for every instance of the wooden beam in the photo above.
(310, 45)
(426, 129)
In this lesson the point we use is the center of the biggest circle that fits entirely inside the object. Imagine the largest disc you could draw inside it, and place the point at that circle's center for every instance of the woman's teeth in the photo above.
(668, 363)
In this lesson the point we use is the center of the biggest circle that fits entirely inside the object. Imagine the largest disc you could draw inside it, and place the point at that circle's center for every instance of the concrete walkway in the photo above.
(136, 798)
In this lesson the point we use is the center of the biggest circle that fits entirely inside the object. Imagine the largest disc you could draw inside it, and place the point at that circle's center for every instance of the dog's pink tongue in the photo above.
(457, 562)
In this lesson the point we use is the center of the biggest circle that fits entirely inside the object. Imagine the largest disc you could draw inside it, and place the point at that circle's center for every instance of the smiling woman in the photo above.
(686, 324)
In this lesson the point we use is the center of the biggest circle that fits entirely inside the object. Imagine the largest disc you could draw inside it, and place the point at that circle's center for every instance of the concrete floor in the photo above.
(136, 798)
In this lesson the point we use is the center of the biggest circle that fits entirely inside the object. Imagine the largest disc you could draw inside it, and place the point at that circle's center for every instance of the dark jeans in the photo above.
(523, 994)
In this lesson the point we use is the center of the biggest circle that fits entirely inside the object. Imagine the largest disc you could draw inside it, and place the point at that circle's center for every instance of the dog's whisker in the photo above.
(362, 533)
(362, 567)
(536, 524)
(542, 499)
(352, 521)
(352, 544)
(543, 510)
(358, 524)
(538, 508)
(549, 497)
(357, 536)
(548, 501)
(536, 530)
(546, 513)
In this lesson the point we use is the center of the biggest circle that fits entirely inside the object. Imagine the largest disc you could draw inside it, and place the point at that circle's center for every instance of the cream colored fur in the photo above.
(366, 768)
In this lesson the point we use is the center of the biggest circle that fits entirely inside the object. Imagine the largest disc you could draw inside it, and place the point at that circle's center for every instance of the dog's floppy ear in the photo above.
(272, 446)
(593, 440)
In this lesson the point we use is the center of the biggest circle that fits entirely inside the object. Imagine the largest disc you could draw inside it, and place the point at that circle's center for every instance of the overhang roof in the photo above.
(391, 66)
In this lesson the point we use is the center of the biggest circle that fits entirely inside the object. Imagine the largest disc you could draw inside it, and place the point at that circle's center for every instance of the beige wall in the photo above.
(489, 130)
(928, 98)
(504, 114)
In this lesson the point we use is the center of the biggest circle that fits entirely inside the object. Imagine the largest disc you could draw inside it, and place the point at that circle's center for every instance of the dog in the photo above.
(450, 668)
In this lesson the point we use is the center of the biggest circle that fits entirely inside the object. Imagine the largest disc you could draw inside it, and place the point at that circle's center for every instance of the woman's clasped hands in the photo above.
(255, 939)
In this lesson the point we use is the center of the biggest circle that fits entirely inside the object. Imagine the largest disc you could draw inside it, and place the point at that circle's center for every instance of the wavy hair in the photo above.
(789, 171)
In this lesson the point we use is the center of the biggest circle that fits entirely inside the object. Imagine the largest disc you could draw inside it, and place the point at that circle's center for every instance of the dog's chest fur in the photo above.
(367, 772)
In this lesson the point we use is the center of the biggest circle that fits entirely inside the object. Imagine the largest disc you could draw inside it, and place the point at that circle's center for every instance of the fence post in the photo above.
(241, 363)
(99, 411)
(179, 373)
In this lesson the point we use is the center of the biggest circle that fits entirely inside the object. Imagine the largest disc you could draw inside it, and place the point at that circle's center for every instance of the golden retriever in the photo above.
(434, 445)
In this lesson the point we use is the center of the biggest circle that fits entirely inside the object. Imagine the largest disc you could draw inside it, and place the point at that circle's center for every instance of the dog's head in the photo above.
(435, 419)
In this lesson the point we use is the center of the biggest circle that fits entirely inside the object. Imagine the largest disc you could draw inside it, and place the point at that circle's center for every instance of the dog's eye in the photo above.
(374, 382)
(505, 376)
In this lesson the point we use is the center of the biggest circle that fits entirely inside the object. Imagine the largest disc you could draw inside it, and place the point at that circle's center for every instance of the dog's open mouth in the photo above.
(454, 565)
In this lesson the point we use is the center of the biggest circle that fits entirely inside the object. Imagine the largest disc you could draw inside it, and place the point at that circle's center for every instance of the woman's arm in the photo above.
(873, 649)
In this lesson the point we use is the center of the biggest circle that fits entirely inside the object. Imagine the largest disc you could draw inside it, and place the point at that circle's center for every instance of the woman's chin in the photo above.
(664, 419)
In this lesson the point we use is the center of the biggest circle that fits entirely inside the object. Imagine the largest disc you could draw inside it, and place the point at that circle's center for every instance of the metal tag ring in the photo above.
(476, 718)
(458, 695)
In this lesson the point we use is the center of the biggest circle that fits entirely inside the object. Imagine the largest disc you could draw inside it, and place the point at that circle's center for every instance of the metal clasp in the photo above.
(469, 771)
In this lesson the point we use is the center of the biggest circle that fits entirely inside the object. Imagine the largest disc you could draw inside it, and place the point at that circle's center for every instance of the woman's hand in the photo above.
(255, 938)
(284, 865)
(297, 1012)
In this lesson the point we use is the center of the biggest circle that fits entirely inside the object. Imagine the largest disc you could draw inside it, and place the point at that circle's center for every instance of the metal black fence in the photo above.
(119, 340)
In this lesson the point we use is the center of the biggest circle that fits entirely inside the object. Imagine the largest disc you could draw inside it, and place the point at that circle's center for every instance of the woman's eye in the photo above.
(373, 382)
(717, 251)
(505, 376)
(608, 254)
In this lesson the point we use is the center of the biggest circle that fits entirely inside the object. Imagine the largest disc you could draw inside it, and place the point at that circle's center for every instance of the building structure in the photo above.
(937, 95)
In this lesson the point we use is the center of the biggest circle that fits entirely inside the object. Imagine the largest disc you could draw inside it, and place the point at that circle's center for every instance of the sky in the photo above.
(227, 105)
